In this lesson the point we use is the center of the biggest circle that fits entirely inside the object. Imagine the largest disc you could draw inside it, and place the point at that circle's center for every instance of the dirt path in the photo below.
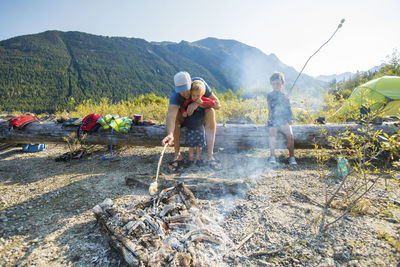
(46, 218)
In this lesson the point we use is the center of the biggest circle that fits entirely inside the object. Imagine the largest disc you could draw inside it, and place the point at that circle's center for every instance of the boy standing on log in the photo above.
(280, 117)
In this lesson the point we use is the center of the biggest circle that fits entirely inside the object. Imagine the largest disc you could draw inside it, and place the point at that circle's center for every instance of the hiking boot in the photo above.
(272, 160)
(292, 161)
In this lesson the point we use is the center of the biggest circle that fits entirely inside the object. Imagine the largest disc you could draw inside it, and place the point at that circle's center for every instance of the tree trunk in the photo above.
(229, 136)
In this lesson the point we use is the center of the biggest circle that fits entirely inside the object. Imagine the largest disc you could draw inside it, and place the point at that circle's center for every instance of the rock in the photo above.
(264, 263)
(353, 263)
(3, 218)
(379, 262)
(392, 220)
(327, 262)
(295, 261)
(343, 253)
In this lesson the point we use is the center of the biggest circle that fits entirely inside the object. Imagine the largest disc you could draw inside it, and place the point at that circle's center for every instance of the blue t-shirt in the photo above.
(176, 99)
(279, 107)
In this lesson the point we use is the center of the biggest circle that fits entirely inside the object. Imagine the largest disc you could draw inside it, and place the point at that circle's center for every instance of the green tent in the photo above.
(384, 92)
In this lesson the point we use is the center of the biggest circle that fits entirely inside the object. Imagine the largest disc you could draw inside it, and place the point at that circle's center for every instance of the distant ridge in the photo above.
(337, 77)
(345, 75)
(53, 70)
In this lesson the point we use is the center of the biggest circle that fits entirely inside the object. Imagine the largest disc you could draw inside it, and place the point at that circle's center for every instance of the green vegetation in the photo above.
(233, 108)
(151, 106)
(370, 158)
(46, 72)
(395, 243)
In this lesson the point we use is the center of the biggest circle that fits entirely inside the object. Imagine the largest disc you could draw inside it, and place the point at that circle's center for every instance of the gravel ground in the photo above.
(46, 218)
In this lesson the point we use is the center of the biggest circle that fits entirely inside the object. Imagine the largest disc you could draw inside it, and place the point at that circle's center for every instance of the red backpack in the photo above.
(20, 121)
(89, 123)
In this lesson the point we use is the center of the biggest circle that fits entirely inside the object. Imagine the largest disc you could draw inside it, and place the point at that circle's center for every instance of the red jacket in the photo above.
(207, 102)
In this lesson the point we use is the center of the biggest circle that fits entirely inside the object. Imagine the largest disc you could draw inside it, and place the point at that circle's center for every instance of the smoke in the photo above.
(249, 69)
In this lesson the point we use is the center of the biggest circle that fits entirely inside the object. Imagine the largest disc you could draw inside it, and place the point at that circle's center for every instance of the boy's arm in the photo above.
(291, 112)
(186, 104)
(207, 102)
(183, 107)
(269, 107)
(215, 99)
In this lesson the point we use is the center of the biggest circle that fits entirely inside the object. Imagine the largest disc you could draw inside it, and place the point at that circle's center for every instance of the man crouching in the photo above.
(179, 94)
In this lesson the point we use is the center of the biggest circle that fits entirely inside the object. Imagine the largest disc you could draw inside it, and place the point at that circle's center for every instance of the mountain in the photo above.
(376, 68)
(345, 75)
(53, 70)
(248, 66)
(337, 77)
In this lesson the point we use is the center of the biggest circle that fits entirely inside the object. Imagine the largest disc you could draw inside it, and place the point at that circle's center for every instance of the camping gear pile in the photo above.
(18, 123)
(92, 122)
(167, 229)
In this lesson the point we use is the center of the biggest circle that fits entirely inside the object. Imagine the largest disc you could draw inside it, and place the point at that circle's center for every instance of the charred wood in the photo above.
(201, 187)
(164, 233)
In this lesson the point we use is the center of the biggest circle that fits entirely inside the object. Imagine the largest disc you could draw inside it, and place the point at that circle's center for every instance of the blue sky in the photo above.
(293, 30)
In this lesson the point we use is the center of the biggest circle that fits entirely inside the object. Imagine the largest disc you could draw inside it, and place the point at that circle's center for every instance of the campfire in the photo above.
(168, 229)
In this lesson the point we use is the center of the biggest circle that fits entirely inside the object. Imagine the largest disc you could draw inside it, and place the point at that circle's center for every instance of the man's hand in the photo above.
(191, 108)
(216, 100)
(184, 114)
(168, 139)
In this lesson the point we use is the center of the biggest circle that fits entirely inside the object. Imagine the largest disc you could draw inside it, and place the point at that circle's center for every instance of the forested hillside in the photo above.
(55, 70)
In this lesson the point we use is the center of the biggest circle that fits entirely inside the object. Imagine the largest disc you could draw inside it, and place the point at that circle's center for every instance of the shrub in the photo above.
(151, 106)
(361, 151)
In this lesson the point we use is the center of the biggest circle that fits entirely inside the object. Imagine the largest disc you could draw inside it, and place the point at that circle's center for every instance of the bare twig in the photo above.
(323, 228)
(266, 253)
(244, 240)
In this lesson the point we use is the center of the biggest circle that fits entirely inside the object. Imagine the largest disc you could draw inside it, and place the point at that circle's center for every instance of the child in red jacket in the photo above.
(195, 134)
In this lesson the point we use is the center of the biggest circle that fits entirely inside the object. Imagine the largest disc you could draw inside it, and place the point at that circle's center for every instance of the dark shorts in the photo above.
(195, 137)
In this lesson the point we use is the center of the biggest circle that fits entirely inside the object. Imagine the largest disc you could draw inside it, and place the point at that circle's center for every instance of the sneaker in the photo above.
(199, 163)
(292, 161)
(272, 160)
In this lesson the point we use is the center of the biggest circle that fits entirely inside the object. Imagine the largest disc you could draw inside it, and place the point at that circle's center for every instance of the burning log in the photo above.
(230, 136)
(201, 187)
(148, 234)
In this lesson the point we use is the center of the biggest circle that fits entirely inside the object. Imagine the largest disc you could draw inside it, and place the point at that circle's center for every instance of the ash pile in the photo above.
(168, 229)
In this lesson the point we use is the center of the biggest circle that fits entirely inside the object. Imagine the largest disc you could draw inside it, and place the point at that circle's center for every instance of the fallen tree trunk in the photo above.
(231, 136)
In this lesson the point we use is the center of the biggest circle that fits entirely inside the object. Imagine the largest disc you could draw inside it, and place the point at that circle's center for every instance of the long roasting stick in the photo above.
(338, 27)
(154, 186)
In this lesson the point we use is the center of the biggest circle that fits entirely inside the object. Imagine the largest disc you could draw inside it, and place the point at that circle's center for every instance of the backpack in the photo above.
(21, 121)
(118, 124)
(89, 123)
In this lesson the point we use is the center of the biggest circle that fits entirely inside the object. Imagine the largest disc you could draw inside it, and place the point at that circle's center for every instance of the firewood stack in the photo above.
(169, 229)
